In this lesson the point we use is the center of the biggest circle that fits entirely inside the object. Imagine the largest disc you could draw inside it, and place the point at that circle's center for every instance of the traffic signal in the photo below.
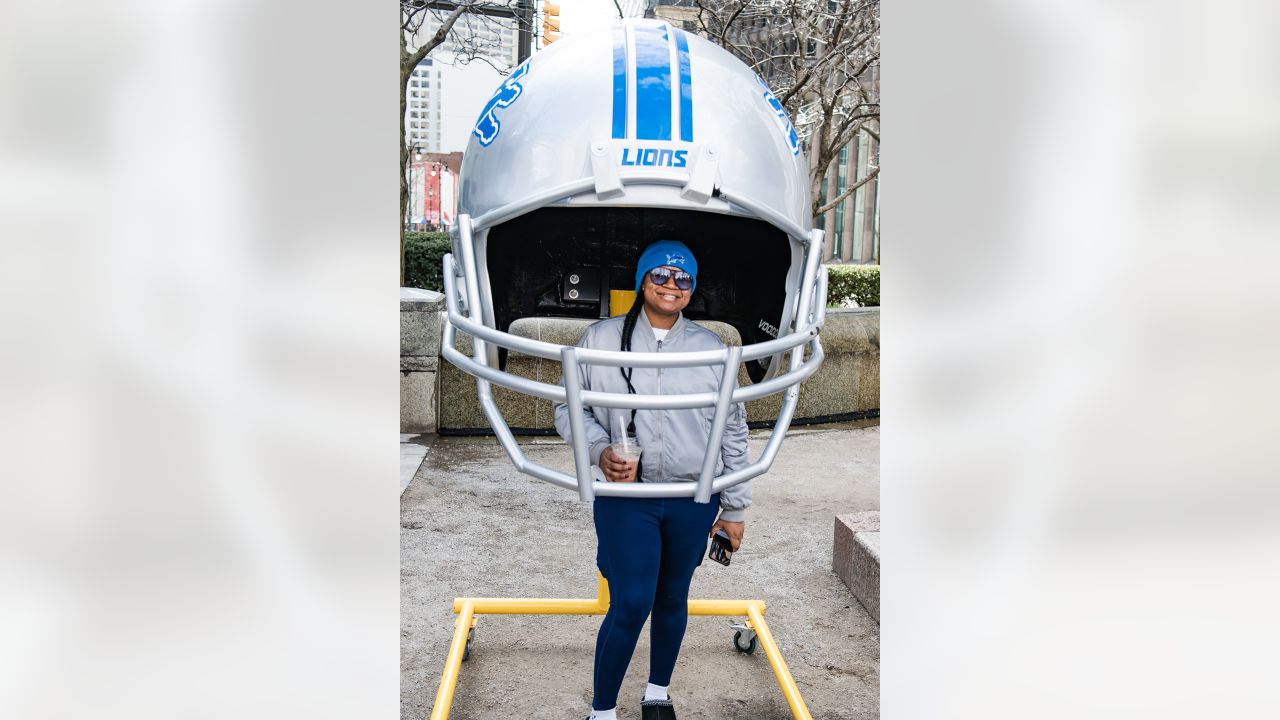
(550, 23)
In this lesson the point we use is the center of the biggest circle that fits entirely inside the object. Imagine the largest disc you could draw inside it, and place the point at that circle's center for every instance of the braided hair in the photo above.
(629, 327)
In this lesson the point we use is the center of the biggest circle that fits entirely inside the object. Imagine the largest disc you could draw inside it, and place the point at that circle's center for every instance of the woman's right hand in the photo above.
(615, 470)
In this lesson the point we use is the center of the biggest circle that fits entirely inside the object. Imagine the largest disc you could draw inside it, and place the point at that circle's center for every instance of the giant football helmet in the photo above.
(589, 151)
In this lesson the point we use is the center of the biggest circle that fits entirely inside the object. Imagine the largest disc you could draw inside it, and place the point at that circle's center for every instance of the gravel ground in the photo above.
(471, 526)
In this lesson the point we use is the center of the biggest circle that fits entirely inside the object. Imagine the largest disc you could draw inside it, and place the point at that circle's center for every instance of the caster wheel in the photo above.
(466, 649)
(744, 646)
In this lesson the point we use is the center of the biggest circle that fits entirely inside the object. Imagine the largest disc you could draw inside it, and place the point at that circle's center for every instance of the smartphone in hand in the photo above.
(721, 548)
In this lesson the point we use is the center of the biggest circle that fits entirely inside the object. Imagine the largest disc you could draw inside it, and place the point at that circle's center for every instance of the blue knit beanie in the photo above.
(667, 252)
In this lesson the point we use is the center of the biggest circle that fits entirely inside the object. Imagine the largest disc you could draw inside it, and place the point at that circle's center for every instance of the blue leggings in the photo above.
(647, 550)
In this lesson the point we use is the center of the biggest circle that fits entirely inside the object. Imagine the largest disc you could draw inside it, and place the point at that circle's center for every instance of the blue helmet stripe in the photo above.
(619, 82)
(653, 83)
(686, 88)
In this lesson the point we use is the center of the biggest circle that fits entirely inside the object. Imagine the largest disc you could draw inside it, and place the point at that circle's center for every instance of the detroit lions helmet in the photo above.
(589, 151)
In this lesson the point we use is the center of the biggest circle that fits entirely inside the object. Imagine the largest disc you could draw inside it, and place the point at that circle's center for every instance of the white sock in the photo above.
(610, 714)
(656, 692)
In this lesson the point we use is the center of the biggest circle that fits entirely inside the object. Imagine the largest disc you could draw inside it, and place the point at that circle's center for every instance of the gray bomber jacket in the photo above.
(672, 442)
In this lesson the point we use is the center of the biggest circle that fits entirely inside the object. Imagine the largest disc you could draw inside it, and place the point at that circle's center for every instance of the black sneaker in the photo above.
(657, 710)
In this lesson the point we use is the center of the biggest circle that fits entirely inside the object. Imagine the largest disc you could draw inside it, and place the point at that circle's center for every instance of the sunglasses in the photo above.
(660, 276)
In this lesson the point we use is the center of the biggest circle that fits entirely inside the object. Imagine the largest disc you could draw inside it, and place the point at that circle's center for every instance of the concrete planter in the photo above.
(848, 382)
(855, 557)
(420, 314)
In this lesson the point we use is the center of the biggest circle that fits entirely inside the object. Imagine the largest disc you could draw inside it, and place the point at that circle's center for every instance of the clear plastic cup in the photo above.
(628, 451)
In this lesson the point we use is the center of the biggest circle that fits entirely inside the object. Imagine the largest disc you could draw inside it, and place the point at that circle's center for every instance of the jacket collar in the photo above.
(643, 323)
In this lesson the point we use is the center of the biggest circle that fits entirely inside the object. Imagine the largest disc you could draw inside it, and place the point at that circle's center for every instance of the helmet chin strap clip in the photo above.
(608, 184)
(702, 177)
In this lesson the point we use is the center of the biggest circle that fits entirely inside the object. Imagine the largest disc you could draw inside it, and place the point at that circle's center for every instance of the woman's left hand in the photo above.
(733, 529)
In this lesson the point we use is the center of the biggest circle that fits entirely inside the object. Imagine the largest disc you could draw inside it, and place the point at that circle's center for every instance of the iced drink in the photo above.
(628, 451)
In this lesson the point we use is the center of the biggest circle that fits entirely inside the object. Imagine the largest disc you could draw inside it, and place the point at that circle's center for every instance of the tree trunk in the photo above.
(815, 178)
(404, 148)
(404, 186)
(832, 180)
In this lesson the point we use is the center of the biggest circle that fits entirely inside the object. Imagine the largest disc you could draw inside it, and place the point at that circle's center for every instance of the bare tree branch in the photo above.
(729, 22)
(875, 170)
(820, 58)
(407, 64)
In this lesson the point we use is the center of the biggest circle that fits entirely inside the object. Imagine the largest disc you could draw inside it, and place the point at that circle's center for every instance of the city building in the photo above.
(495, 39)
(680, 13)
(433, 190)
(422, 107)
(852, 228)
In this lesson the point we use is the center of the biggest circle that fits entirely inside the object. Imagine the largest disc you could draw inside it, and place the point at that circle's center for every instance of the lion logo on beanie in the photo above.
(675, 253)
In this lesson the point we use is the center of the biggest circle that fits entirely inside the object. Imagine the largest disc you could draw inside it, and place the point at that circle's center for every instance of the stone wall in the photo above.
(420, 320)
(847, 383)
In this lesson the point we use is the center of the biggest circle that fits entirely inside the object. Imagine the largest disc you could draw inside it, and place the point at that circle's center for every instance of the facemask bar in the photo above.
(811, 313)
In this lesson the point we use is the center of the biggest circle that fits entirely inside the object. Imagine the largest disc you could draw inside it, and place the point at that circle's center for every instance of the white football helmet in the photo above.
(589, 151)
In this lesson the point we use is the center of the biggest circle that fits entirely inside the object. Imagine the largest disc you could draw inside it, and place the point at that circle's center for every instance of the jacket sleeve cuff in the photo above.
(597, 450)
(733, 515)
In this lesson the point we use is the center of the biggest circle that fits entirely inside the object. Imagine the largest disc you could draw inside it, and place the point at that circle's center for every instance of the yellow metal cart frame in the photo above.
(468, 609)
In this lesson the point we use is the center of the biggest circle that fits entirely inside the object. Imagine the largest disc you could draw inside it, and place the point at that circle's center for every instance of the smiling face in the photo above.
(663, 303)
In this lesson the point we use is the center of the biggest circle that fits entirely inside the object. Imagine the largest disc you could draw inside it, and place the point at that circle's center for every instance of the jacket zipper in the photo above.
(661, 415)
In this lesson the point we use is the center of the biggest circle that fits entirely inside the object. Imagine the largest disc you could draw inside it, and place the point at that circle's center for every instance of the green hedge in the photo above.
(422, 257)
(853, 285)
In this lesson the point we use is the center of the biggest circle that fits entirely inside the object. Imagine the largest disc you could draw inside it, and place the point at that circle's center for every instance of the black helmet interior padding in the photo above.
(742, 265)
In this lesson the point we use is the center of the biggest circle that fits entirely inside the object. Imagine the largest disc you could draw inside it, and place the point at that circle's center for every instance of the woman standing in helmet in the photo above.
(648, 548)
